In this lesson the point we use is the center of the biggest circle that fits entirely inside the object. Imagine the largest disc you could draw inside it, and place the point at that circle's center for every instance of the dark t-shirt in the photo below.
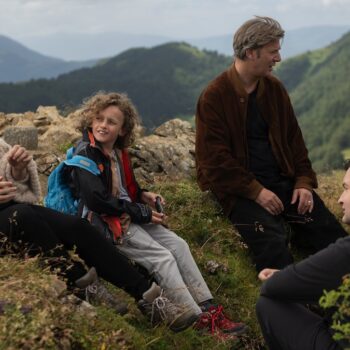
(262, 162)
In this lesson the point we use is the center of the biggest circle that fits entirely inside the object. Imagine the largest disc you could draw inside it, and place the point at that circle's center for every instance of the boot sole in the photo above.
(179, 328)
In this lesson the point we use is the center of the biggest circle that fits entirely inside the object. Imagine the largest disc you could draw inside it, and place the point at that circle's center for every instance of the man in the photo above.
(251, 154)
(285, 322)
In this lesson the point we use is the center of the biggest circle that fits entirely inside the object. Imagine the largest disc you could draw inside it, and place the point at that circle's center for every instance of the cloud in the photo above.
(335, 2)
(174, 18)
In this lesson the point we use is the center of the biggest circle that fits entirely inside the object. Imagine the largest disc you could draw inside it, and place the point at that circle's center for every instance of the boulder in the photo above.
(170, 152)
(26, 136)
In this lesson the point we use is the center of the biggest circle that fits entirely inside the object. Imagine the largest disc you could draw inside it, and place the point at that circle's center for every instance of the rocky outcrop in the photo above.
(169, 151)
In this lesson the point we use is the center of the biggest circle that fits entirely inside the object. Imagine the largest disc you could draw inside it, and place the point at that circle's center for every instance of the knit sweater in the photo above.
(28, 189)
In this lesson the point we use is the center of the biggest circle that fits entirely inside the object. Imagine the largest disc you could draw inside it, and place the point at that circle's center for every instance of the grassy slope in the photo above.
(194, 216)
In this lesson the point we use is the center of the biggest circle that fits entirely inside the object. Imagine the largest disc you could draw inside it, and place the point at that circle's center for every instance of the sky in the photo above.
(172, 18)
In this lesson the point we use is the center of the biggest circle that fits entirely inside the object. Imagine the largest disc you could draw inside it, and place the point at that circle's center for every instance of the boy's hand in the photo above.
(150, 199)
(7, 191)
(18, 157)
(158, 218)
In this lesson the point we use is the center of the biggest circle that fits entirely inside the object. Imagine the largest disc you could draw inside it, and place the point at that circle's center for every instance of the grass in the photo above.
(53, 324)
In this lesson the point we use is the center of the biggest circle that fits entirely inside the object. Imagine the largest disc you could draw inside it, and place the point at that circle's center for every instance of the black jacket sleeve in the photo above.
(305, 281)
(94, 194)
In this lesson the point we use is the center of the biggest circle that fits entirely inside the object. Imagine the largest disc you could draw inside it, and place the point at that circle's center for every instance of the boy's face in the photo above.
(344, 199)
(107, 126)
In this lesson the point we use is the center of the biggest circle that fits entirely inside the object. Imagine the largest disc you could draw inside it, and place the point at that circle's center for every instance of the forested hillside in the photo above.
(319, 85)
(164, 82)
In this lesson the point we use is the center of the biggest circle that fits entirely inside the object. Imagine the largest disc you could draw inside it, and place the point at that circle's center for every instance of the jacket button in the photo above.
(241, 100)
(128, 233)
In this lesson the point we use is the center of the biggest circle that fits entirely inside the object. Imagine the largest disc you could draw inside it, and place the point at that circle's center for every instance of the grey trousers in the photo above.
(168, 257)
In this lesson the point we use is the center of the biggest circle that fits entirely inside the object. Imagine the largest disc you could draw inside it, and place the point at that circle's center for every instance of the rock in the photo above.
(26, 136)
(170, 152)
(174, 128)
(59, 136)
(49, 112)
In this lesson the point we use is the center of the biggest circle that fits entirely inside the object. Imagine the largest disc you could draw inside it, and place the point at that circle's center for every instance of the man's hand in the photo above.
(18, 157)
(265, 274)
(270, 202)
(306, 203)
(7, 191)
(150, 198)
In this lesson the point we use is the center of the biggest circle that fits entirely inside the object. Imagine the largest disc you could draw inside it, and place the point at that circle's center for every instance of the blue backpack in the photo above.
(59, 194)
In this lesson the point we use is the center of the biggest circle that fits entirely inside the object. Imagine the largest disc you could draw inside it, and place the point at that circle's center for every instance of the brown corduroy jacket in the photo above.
(221, 142)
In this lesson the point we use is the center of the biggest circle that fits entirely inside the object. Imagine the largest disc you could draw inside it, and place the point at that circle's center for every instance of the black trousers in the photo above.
(50, 233)
(285, 322)
(267, 235)
(291, 326)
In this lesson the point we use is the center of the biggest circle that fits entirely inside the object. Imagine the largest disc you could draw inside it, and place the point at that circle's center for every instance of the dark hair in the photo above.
(93, 105)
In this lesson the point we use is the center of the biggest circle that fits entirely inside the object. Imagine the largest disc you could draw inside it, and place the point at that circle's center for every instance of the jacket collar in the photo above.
(237, 84)
(89, 137)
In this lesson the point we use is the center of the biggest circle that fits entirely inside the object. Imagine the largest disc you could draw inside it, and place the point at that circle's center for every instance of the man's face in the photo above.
(344, 199)
(265, 58)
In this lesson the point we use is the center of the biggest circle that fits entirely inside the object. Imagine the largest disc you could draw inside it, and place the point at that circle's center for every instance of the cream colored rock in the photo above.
(58, 136)
(170, 152)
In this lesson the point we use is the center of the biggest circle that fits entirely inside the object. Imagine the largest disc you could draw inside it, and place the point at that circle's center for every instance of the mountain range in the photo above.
(18, 63)
(165, 81)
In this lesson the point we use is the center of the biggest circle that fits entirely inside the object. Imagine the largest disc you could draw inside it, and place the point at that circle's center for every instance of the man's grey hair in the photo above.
(254, 34)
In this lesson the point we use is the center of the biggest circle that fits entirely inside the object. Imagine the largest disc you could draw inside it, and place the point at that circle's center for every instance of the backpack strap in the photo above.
(83, 163)
(73, 159)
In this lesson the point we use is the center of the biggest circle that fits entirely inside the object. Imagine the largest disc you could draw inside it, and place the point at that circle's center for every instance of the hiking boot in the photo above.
(97, 293)
(214, 320)
(158, 309)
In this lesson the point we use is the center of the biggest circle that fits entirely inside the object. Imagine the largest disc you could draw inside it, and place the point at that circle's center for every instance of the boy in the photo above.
(114, 202)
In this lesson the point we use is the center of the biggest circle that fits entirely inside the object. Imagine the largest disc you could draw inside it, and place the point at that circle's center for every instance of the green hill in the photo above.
(320, 90)
(164, 82)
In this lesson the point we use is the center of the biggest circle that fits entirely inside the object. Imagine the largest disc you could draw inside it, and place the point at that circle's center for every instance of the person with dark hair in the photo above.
(251, 155)
(285, 321)
(38, 230)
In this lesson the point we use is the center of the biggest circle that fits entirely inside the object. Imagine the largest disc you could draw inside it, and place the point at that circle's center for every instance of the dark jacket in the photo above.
(95, 191)
(221, 141)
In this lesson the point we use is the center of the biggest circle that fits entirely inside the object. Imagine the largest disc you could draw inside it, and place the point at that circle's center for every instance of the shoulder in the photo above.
(217, 85)
(216, 90)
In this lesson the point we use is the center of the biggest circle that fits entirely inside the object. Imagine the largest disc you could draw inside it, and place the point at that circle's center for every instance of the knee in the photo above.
(21, 214)
(266, 308)
(180, 246)
(261, 306)
(165, 258)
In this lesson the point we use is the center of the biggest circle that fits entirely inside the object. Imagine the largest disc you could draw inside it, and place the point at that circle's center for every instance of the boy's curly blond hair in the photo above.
(93, 105)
